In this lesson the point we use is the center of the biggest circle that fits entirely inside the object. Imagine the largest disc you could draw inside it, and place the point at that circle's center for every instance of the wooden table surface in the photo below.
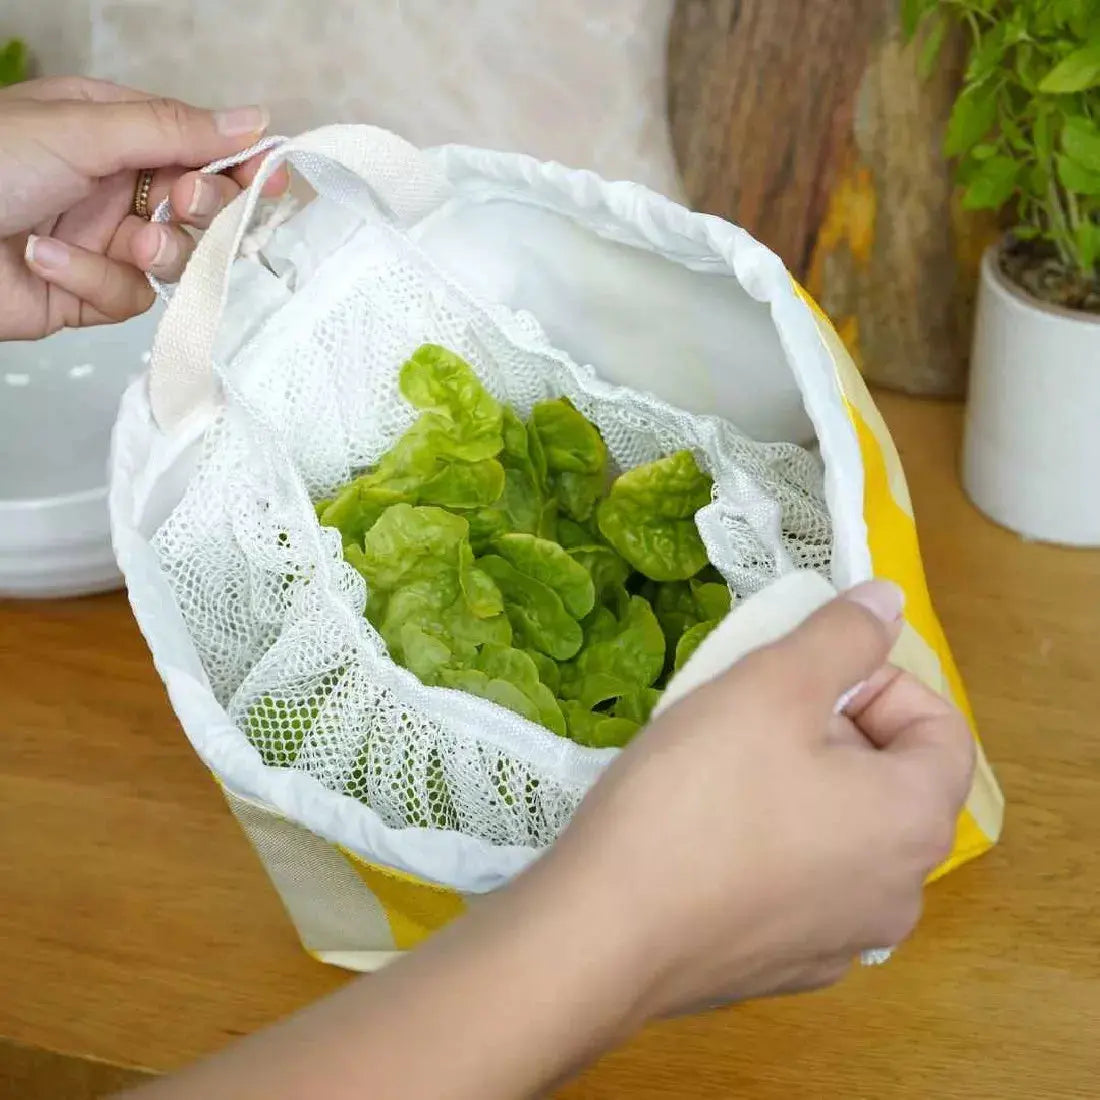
(138, 930)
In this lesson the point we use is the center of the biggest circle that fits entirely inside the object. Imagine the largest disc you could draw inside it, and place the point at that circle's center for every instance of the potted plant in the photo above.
(1024, 134)
(13, 62)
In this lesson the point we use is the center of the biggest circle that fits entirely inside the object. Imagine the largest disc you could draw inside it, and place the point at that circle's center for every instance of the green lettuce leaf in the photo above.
(575, 454)
(595, 729)
(538, 616)
(546, 561)
(649, 517)
(619, 654)
(689, 643)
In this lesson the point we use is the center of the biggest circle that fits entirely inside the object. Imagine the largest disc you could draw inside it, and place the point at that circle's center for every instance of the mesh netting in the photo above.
(276, 614)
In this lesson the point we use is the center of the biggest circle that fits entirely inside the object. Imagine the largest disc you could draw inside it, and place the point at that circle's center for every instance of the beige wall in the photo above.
(563, 79)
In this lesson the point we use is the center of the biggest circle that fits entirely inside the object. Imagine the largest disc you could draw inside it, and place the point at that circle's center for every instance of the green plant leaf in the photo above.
(356, 507)
(607, 569)
(409, 543)
(571, 534)
(438, 609)
(971, 119)
(1077, 72)
(712, 598)
(578, 493)
(436, 380)
(547, 562)
(1075, 178)
(575, 456)
(636, 706)
(549, 672)
(912, 12)
(463, 485)
(595, 729)
(689, 643)
(537, 615)
(629, 648)
(992, 185)
(505, 694)
(477, 586)
(1087, 240)
(13, 62)
(931, 47)
(649, 517)
(568, 440)
(424, 654)
(1042, 135)
(1081, 142)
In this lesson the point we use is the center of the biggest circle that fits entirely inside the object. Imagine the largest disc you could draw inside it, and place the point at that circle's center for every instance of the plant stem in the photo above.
(1058, 221)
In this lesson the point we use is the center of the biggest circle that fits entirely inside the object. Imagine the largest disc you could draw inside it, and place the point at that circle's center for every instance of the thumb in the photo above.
(840, 646)
(103, 138)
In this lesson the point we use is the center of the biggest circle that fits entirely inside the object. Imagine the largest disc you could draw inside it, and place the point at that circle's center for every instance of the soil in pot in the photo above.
(1035, 267)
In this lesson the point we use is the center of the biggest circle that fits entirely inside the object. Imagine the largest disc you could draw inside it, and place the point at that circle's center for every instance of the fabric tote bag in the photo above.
(381, 807)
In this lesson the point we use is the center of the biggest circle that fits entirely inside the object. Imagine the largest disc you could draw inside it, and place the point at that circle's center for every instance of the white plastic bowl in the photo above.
(58, 401)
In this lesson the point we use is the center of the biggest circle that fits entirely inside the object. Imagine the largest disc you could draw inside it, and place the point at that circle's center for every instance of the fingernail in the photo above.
(166, 248)
(46, 252)
(204, 198)
(241, 120)
(884, 599)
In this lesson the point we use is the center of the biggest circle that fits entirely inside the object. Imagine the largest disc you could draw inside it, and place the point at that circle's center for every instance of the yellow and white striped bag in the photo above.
(271, 370)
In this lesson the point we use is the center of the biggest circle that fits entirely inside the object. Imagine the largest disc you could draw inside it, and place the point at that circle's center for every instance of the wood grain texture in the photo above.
(34, 1074)
(807, 123)
(137, 928)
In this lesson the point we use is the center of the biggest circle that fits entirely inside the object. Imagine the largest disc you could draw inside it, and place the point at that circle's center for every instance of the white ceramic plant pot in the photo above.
(1031, 457)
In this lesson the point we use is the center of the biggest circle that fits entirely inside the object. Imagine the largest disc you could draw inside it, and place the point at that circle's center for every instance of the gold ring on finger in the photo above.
(141, 194)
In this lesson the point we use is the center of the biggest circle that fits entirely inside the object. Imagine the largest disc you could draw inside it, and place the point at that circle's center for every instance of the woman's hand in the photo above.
(750, 842)
(753, 842)
(72, 252)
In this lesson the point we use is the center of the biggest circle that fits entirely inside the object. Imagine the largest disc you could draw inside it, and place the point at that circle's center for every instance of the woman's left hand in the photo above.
(72, 251)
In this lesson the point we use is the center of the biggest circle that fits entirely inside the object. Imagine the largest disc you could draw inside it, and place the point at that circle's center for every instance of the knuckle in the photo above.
(168, 114)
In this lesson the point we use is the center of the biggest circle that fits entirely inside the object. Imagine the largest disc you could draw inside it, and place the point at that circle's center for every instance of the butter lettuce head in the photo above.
(502, 560)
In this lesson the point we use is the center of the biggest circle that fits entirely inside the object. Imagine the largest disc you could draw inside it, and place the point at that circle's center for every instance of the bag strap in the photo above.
(365, 168)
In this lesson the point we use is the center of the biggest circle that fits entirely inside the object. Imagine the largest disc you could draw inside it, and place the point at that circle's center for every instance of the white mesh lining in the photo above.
(313, 398)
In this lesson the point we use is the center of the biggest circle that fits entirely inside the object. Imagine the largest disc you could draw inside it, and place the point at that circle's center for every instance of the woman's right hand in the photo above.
(751, 841)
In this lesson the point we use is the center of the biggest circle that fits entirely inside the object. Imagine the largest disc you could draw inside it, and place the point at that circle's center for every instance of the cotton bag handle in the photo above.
(363, 167)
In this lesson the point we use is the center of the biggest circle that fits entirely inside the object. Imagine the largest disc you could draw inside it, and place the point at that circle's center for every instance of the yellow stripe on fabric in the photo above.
(970, 842)
(895, 555)
(891, 529)
(414, 908)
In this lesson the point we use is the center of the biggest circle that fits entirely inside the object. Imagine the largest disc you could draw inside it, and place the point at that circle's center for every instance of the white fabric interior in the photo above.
(694, 338)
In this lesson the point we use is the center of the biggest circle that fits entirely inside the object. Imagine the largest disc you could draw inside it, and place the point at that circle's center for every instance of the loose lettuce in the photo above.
(620, 654)
(536, 612)
(576, 456)
(689, 643)
(649, 517)
(407, 544)
(546, 561)
(595, 729)
(500, 561)
(607, 569)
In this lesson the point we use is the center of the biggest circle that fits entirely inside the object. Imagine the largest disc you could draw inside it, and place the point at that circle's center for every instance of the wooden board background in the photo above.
(806, 122)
